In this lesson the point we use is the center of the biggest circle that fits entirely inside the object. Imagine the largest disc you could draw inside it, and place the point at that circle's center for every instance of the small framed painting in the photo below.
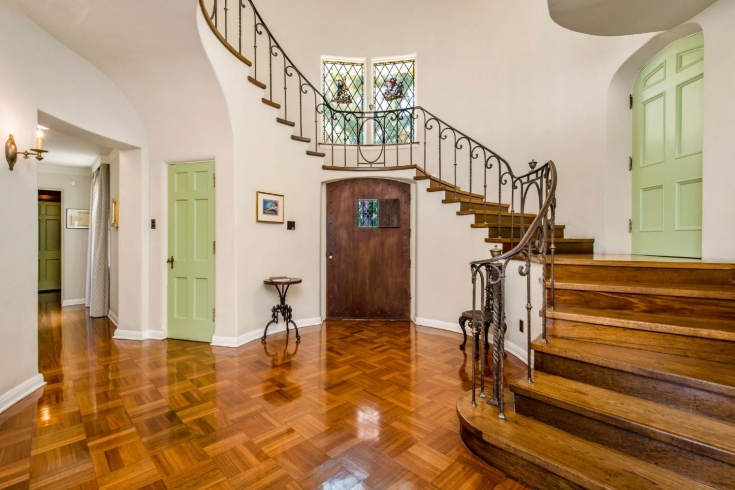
(77, 218)
(268, 207)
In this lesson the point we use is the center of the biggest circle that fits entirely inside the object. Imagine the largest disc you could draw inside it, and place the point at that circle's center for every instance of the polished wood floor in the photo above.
(354, 405)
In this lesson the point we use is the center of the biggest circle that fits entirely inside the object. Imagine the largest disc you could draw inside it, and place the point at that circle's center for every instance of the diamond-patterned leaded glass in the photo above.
(367, 213)
(394, 87)
(344, 88)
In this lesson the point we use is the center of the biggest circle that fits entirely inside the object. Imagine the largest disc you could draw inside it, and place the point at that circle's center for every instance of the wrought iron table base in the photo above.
(463, 325)
(284, 310)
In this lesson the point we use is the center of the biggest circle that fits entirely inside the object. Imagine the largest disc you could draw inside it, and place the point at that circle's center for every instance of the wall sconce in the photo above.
(11, 150)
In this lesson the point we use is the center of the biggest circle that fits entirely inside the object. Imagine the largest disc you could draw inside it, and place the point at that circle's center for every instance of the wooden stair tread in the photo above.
(683, 290)
(316, 154)
(255, 82)
(529, 217)
(556, 240)
(302, 139)
(285, 122)
(451, 188)
(639, 261)
(690, 431)
(269, 102)
(491, 225)
(710, 328)
(711, 376)
(366, 168)
(473, 201)
(584, 463)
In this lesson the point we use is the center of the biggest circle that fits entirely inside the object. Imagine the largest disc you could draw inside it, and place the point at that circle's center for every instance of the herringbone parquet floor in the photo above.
(354, 405)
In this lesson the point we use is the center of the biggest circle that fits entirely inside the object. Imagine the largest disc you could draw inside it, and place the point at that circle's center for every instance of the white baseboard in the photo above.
(112, 316)
(510, 347)
(73, 302)
(427, 322)
(14, 395)
(138, 335)
(221, 341)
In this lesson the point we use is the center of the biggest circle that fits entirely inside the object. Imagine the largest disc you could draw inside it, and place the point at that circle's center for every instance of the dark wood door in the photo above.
(368, 249)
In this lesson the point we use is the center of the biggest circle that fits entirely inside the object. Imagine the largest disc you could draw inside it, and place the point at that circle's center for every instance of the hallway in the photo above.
(354, 405)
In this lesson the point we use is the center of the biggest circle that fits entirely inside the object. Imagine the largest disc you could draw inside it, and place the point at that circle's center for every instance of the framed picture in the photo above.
(115, 212)
(268, 207)
(77, 218)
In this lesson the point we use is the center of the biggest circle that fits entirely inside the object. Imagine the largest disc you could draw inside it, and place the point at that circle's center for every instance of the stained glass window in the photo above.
(344, 88)
(394, 87)
(367, 213)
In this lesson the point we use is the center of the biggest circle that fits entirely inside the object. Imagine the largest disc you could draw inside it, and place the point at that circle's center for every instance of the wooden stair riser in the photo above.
(510, 464)
(493, 219)
(563, 247)
(668, 393)
(515, 232)
(490, 207)
(686, 461)
(678, 345)
(645, 275)
(645, 303)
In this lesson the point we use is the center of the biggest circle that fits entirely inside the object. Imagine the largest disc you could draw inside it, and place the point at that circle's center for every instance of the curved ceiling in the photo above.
(623, 17)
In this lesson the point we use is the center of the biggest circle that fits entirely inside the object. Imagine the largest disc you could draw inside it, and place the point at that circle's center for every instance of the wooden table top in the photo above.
(273, 281)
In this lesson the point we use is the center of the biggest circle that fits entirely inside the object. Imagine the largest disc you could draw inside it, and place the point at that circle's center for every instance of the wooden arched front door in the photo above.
(368, 249)
(668, 115)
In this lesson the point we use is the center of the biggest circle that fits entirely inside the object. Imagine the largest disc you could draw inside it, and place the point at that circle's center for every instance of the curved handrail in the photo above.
(491, 272)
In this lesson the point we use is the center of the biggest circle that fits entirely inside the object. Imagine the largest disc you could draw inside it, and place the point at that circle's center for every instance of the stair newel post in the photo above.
(529, 307)
(475, 272)
(493, 278)
(500, 315)
(500, 200)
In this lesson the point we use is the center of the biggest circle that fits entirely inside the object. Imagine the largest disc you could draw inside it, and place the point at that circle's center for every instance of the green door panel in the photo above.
(49, 246)
(668, 117)
(191, 244)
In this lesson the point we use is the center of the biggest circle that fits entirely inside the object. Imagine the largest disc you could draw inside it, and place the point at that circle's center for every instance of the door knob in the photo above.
(330, 257)
(171, 261)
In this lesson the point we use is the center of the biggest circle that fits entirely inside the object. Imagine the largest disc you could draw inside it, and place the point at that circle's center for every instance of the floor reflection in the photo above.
(354, 405)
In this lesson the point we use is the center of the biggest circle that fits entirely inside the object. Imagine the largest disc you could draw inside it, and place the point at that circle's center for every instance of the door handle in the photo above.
(171, 261)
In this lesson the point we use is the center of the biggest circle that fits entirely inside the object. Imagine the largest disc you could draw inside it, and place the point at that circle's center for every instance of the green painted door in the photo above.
(668, 98)
(191, 246)
(49, 246)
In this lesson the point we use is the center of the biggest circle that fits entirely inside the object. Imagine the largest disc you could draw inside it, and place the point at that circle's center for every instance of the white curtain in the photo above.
(98, 272)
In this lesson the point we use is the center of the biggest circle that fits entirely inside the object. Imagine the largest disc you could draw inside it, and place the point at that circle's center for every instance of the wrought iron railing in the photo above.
(410, 137)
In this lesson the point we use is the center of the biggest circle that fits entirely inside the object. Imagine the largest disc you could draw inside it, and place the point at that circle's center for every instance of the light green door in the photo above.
(49, 246)
(191, 246)
(668, 98)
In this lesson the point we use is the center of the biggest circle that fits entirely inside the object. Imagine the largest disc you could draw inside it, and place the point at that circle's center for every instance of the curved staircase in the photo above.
(634, 387)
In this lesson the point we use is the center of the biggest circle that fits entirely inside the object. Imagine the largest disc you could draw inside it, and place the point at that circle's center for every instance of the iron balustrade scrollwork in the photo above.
(410, 137)
(537, 240)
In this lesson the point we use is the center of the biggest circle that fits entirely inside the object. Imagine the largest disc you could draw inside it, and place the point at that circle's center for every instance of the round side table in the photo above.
(281, 284)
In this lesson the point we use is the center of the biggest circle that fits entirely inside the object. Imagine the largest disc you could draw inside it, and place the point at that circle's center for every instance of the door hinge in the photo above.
(630, 225)
(214, 247)
(212, 314)
(214, 180)
(631, 101)
(630, 164)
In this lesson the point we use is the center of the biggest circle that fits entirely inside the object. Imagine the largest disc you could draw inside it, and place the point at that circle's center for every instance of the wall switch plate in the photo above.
(290, 225)
(521, 325)
(153, 224)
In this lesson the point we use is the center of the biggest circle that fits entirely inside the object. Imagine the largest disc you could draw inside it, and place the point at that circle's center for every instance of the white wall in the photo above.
(74, 242)
(58, 82)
